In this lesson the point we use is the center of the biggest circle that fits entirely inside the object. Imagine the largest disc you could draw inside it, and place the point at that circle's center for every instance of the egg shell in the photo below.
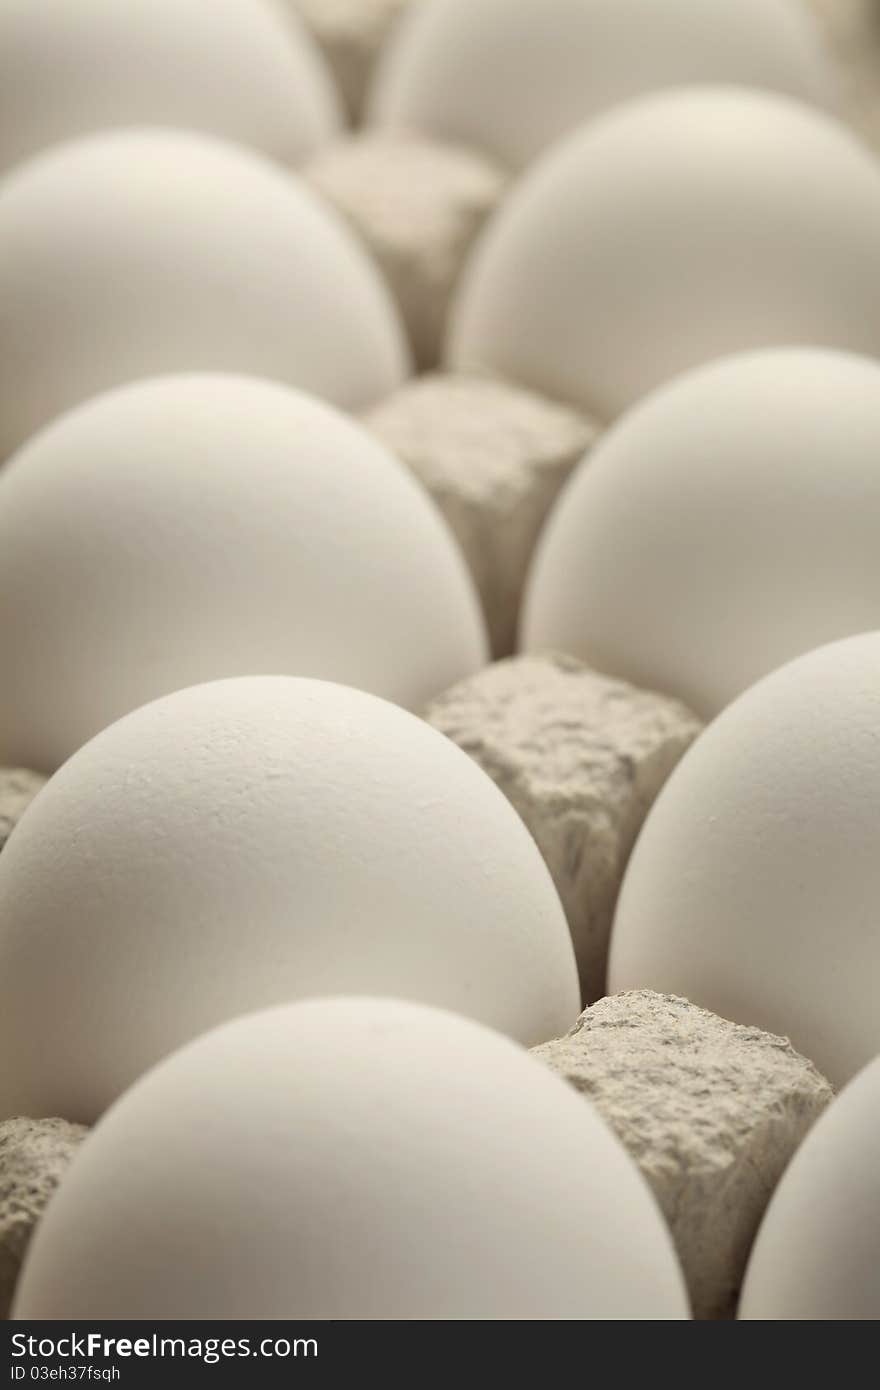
(512, 76)
(753, 887)
(727, 523)
(188, 528)
(679, 228)
(817, 1254)
(131, 253)
(351, 1158)
(235, 68)
(249, 842)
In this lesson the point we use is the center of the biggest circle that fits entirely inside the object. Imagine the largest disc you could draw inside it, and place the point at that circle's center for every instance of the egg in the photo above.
(132, 253)
(227, 67)
(186, 528)
(754, 885)
(817, 1254)
(725, 525)
(351, 1158)
(245, 843)
(511, 76)
(682, 227)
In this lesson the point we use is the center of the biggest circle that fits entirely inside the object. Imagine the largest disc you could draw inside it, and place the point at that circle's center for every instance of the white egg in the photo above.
(227, 67)
(132, 253)
(725, 525)
(754, 886)
(511, 76)
(187, 528)
(817, 1256)
(249, 842)
(673, 230)
(352, 1158)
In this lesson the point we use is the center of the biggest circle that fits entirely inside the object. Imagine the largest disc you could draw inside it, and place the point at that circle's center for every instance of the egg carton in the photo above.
(661, 803)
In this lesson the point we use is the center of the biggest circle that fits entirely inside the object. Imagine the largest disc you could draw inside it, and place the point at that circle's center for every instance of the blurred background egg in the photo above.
(236, 68)
(352, 1158)
(511, 76)
(187, 528)
(754, 885)
(817, 1254)
(726, 524)
(679, 228)
(131, 253)
(249, 842)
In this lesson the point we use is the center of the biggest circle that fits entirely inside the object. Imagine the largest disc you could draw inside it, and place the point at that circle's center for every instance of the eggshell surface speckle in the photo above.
(131, 253)
(818, 1250)
(512, 76)
(189, 528)
(753, 887)
(234, 68)
(727, 524)
(683, 227)
(249, 842)
(352, 1158)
